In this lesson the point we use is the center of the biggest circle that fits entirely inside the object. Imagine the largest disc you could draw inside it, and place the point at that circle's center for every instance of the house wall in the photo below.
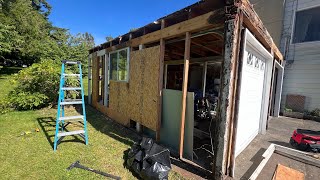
(271, 14)
(302, 69)
(137, 99)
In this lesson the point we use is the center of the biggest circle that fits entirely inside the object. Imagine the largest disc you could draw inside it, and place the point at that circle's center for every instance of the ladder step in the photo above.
(60, 134)
(71, 88)
(74, 75)
(70, 62)
(70, 118)
(70, 102)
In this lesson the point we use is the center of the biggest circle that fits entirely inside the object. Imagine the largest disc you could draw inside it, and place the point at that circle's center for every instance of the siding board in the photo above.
(303, 75)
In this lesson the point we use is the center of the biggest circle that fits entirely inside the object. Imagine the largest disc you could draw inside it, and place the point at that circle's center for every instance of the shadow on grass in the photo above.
(108, 127)
(9, 70)
(127, 136)
(48, 125)
(125, 157)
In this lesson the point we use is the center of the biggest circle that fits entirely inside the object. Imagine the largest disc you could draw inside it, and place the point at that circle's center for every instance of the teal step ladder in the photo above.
(62, 121)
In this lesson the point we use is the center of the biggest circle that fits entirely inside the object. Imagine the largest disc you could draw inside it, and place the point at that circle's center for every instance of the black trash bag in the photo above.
(149, 160)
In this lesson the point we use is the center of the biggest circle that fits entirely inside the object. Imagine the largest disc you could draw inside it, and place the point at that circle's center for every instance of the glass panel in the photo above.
(307, 26)
(122, 65)
(113, 66)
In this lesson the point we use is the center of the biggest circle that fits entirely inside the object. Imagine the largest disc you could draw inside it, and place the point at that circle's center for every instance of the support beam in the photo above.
(210, 59)
(160, 84)
(165, 75)
(204, 78)
(226, 98)
(138, 125)
(191, 25)
(184, 91)
(207, 48)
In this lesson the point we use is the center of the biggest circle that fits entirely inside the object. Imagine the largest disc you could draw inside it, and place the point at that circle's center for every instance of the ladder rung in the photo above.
(77, 75)
(70, 102)
(70, 62)
(71, 88)
(60, 134)
(70, 118)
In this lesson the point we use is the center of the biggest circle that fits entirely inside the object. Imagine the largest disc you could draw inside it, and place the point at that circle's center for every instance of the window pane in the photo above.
(122, 66)
(307, 26)
(113, 66)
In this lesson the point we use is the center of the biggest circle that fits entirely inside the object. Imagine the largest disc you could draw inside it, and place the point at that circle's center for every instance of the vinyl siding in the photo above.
(272, 21)
(302, 71)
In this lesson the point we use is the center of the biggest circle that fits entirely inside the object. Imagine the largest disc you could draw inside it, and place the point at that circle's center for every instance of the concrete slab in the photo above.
(279, 132)
(310, 172)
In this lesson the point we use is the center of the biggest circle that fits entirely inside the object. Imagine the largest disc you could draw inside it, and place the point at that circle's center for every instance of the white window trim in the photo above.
(294, 24)
(128, 64)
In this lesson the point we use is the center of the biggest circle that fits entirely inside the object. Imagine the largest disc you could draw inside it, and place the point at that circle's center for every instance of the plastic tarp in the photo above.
(149, 160)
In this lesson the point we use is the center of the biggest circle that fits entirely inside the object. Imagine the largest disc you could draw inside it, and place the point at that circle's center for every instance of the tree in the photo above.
(27, 35)
(109, 38)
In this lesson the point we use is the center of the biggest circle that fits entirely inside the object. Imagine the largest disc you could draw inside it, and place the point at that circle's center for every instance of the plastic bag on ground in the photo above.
(149, 160)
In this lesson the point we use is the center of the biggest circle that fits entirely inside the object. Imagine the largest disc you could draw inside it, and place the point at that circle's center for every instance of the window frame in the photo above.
(127, 66)
(293, 20)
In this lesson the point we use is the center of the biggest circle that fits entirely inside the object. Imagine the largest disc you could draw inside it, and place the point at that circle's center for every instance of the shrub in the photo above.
(4, 105)
(315, 112)
(38, 86)
(287, 109)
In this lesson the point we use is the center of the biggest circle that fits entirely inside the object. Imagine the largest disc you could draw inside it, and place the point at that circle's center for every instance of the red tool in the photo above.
(305, 140)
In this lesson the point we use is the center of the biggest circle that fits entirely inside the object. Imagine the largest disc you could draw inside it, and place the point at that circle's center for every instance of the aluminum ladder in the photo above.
(61, 131)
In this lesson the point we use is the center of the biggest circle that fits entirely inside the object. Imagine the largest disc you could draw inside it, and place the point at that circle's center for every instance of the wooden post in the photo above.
(227, 92)
(184, 90)
(165, 75)
(204, 78)
(138, 125)
(160, 85)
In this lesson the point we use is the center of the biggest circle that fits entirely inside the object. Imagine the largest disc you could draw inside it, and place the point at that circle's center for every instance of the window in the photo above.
(101, 70)
(119, 65)
(307, 26)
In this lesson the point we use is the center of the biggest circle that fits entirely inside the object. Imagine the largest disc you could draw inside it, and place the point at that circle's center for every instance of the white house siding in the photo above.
(302, 70)
(273, 21)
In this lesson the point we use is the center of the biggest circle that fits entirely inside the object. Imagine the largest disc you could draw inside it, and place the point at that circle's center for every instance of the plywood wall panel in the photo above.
(150, 87)
(138, 99)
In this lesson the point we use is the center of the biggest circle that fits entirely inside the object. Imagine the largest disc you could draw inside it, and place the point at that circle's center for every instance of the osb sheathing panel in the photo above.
(149, 87)
(138, 99)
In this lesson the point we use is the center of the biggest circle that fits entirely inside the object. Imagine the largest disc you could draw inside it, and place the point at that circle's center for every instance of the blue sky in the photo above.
(102, 18)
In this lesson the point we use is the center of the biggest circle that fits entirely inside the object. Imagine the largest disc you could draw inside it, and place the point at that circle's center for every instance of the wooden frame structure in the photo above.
(288, 152)
(221, 20)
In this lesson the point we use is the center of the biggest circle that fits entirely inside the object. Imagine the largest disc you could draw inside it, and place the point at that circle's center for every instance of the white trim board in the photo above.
(291, 153)
(278, 92)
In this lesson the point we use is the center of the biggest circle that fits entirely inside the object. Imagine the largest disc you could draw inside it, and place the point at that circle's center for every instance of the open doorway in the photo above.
(203, 89)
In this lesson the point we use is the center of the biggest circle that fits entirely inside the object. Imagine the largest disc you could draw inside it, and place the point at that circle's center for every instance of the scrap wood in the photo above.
(285, 173)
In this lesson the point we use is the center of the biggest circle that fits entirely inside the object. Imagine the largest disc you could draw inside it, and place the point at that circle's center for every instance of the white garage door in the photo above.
(254, 92)
(252, 81)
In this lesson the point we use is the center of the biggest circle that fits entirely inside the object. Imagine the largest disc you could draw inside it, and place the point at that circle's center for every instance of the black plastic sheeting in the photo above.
(149, 160)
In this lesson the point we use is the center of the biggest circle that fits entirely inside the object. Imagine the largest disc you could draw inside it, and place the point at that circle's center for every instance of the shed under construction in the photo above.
(202, 81)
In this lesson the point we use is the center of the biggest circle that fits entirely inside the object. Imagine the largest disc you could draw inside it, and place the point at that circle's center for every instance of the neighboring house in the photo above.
(300, 44)
(199, 77)
(295, 27)
(271, 14)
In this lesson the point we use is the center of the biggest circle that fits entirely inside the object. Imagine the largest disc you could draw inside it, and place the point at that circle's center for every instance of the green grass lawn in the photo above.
(31, 156)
